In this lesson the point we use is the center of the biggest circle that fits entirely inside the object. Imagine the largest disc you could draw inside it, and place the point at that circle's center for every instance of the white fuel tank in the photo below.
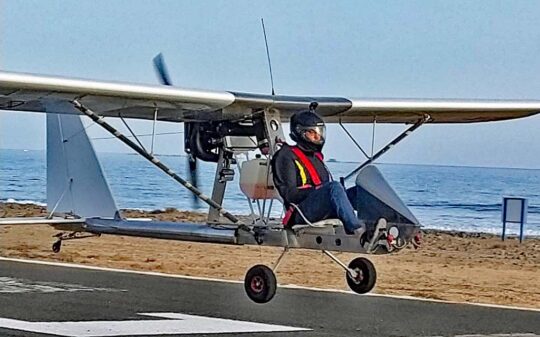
(256, 179)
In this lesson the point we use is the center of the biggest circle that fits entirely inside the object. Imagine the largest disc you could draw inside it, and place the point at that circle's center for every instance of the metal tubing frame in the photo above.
(280, 258)
(218, 192)
(75, 236)
(132, 133)
(395, 141)
(353, 140)
(351, 272)
(373, 135)
(99, 120)
(270, 117)
(153, 130)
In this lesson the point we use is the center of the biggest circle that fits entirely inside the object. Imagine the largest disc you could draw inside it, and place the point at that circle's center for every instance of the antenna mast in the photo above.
(268, 57)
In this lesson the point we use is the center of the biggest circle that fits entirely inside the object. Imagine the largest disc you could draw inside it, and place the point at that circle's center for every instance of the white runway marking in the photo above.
(289, 286)
(499, 335)
(17, 286)
(173, 323)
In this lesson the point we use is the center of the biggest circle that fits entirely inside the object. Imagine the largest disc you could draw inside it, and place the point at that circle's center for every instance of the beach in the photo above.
(454, 266)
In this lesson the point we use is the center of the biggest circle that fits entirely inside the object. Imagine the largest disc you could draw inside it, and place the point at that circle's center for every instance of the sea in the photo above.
(441, 197)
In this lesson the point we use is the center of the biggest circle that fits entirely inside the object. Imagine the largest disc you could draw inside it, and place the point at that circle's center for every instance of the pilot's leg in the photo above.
(330, 201)
(344, 209)
(352, 193)
(317, 206)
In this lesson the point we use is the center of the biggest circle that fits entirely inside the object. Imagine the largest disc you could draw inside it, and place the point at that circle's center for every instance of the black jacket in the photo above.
(287, 177)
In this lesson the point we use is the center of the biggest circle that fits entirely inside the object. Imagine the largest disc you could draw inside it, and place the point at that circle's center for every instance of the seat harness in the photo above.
(303, 164)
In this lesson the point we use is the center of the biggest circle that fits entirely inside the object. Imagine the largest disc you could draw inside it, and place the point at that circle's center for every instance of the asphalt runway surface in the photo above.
(43, 300)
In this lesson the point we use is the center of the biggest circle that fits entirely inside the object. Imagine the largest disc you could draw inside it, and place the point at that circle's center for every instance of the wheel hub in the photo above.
(357, 276)
(257, 284)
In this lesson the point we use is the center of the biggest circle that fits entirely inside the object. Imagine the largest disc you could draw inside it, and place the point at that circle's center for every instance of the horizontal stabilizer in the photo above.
(39, 221)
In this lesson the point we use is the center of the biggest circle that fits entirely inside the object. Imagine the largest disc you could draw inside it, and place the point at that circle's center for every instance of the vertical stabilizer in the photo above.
(75, 180)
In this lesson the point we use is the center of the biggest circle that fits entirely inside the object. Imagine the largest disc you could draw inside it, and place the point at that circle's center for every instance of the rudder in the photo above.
(75, 180)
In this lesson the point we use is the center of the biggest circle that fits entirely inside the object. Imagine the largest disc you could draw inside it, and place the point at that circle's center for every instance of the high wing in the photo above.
(36, 93)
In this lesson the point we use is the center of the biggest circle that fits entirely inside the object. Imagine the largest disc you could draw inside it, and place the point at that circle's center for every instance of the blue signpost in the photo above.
(514, 210)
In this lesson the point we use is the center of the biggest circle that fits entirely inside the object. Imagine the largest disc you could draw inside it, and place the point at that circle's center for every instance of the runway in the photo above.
(43, 300)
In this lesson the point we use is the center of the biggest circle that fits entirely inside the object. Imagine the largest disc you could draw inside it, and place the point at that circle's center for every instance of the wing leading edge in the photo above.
(35, 93)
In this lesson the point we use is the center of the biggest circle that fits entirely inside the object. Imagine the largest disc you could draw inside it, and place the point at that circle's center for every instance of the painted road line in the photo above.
(498, 335)
(171, 323)
(12, 285)
(286, 286)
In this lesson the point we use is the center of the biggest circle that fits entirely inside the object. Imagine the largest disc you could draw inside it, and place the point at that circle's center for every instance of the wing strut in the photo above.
(99, 120)
(354, 141)
(382, 151)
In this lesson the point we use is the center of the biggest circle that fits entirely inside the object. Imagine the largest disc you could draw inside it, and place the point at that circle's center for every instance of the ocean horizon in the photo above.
(444, 197)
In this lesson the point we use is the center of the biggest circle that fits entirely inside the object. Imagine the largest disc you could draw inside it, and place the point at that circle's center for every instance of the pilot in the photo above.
(305, 183)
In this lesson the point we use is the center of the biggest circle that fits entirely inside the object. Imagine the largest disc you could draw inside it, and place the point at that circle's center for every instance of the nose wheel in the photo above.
(260, 283)
(361, 275)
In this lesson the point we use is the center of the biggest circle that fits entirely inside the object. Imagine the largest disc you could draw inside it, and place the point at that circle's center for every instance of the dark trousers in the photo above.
(330, 201)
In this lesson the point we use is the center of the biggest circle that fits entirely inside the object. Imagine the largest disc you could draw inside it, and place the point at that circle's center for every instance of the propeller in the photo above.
(161, 70)
(163, 76)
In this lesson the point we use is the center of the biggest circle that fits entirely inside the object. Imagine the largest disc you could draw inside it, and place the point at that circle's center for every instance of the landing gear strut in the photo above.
(360, 273)
(260, 282)
(69, 236)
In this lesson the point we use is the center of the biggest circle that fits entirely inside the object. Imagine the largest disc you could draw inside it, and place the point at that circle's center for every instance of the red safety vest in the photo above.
(313, 174)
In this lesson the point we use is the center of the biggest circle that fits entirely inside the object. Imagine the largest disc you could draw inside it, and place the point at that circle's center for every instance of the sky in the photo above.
(355, 49)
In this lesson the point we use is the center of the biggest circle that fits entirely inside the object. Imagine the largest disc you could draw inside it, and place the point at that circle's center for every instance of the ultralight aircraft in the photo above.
(223, 127)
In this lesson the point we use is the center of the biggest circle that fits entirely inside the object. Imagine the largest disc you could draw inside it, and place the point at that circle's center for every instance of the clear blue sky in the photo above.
(422, 49)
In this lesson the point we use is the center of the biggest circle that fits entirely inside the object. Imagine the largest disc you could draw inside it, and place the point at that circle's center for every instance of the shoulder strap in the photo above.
(308, 165)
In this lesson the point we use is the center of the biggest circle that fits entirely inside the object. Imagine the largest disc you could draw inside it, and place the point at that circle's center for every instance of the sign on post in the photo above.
(514, 210)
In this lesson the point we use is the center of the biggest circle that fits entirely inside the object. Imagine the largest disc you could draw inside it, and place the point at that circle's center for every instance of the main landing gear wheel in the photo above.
(365, 278)
(260, 283)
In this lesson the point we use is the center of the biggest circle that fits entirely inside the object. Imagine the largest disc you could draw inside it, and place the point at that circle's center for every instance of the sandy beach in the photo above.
(456, 266)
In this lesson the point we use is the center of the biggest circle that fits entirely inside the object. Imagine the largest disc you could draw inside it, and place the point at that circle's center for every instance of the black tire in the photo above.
(367, 275)
(260, 283)
(56, 246)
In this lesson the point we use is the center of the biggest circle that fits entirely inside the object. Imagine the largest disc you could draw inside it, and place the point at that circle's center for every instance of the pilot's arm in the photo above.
(286, 177)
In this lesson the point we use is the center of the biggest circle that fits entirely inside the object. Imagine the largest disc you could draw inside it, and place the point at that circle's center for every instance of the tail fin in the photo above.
(75, 181)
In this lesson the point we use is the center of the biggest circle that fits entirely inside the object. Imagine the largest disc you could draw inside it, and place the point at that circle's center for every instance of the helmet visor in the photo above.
(315, 134)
